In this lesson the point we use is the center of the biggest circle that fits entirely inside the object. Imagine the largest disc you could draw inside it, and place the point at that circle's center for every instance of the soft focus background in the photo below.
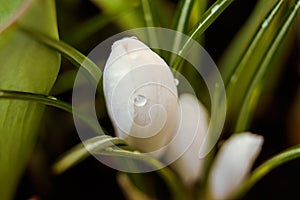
(277, 117)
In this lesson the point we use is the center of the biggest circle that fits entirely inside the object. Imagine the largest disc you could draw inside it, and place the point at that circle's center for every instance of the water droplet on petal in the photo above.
(140, 100)
(176, 81)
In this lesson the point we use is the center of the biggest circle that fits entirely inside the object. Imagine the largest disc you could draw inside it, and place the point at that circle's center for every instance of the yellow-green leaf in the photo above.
(11, 10)
(25, 65)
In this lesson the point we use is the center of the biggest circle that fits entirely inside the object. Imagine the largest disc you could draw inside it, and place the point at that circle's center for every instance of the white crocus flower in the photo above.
(142, 102)
(141, 96)
(191, 132)
(233, 163)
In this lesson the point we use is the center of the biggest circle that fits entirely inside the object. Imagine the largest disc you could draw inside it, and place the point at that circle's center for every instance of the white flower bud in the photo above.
(191, 133)
(141, 95)
(233, 163)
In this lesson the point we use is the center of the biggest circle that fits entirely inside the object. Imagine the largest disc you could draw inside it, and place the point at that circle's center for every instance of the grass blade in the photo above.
(208, 18)
(148, 15)
(39, 98)
(183, 15)
(27, 66)
(197, 11)
(82, 151)
(181, 23)
(130, 189)
(280, 159)
(73, 55)
(251, 98)
(149, 21)
(242, 40)
(172, 181)
(241, 77)
(11, 11)
(49, 101)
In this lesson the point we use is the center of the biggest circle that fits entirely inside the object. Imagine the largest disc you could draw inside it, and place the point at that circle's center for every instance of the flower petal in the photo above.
(233, 163)
(192, 130)
(141, 95)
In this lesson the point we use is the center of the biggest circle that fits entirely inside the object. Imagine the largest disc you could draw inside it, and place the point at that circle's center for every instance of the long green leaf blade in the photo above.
(49, 101)
(181, 23)
(39, 98)
(233, 54)
(265, 168)
(251, 48)
(25, 66)
(149, 21)
(241, 77)
(73, 55)
(148, 13)
(208, 18)
(172, 181)
(82, 151)
(10, 11)
(251, 97)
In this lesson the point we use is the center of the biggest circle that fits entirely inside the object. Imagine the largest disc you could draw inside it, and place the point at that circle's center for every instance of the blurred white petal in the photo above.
(193, 128)
(233, 163)
(141, 95)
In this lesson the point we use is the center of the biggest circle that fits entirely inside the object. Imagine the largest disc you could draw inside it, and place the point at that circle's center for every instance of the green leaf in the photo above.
(82, 151)
(206, 20)
(181, 23)
(257, 82)
(265, 168)
(242, 40)
(197, 12)
(148, 13)
(39, 98)
(49, 101)
(130, 190)
(183, 15)
(25, 66)
(245, 69)
(149, 21)
(175, 186)
(72, 54)
(101, 145)
(10, 11)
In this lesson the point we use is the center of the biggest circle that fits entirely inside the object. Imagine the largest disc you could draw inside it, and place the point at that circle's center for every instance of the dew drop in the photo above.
(140, 100)
(176, 81)
(133, 37)
(265, 24)
(214, 9)
(53, 98)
